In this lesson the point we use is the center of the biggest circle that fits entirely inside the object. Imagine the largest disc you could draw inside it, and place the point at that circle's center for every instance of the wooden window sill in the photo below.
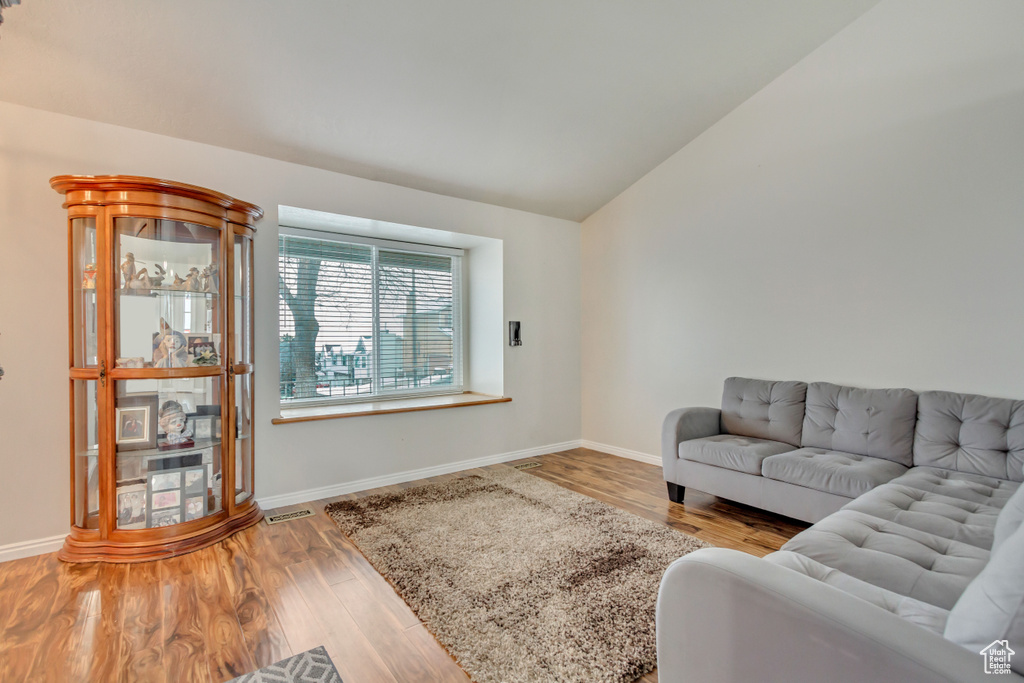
(386, 407)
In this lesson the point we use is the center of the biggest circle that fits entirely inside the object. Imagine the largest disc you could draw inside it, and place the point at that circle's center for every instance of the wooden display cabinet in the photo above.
(160, 367)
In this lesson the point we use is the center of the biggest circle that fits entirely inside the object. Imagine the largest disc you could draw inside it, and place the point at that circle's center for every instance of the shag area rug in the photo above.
(311, 666)
(520, 579)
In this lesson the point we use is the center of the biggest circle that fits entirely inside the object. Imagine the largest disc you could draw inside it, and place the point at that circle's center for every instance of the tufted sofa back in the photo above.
(763, 409)
(951, 431)
(874, 422)
(970, 433)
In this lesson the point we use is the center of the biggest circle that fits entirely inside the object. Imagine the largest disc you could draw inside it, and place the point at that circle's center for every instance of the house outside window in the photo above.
(364, 319)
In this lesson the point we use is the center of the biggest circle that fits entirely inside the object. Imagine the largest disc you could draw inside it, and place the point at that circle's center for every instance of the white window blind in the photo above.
(367, 319)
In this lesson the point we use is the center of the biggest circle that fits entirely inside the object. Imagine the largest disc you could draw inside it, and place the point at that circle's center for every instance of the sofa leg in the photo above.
(675, 492)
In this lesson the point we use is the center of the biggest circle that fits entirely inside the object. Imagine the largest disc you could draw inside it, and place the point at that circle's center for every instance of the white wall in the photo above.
(860, 220)
(541, 287)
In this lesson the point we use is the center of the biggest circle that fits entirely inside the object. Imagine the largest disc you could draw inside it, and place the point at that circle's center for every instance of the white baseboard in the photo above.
(622, 452)
(39, 546)
(271, 502)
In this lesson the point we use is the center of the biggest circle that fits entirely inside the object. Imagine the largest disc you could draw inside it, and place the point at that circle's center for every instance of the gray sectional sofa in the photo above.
(915, 562)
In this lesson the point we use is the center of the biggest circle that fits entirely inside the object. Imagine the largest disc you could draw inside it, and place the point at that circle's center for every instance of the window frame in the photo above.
(459, 334)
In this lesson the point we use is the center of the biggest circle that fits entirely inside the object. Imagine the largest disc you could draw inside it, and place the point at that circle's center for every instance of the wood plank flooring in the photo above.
(275, 590)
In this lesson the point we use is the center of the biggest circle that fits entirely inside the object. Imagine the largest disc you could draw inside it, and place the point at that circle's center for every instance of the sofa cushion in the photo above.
(921, 613)
(740, 453)
(875, 422)
(952, 518)
(973, 487)
(992, 606)
(919, 565)
(763, 409)
(844, 474)
(968, 433)
(1009, 520)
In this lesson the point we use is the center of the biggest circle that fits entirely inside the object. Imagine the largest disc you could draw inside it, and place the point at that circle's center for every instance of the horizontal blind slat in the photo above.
(420, 261)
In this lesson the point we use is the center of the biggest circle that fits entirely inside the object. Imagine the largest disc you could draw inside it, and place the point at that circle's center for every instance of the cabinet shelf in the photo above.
(199, 445)
(173, 293)
(168, 373)
(153, 358)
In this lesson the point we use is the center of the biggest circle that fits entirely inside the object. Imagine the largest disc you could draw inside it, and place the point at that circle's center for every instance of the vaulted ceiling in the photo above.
(551, 106)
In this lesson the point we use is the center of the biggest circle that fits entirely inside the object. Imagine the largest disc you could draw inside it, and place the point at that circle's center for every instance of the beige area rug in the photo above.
(521, 579)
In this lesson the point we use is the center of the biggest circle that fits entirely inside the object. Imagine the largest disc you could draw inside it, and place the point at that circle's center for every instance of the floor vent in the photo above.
(288, 516)
(526, 465)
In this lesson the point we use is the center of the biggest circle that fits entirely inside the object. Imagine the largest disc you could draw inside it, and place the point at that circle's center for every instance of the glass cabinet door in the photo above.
(169, 455)
(242, 286)
(83, 289)
(167, 294)
(243, 437)
(243, 299)
(86, 445)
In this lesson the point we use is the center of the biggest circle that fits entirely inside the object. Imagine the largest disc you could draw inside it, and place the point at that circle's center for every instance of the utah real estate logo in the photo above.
(997, 657)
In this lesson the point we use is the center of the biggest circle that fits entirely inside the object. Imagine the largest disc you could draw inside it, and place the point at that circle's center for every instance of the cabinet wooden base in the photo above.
(88, 547)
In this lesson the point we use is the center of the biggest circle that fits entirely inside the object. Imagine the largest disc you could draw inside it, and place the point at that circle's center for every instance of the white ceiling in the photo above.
(552, 106)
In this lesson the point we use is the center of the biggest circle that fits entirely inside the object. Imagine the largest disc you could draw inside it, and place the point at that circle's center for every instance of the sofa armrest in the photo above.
(684, 424)
(724, 615)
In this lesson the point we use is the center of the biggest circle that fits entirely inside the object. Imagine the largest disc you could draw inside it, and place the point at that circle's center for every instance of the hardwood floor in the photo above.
(275, 590)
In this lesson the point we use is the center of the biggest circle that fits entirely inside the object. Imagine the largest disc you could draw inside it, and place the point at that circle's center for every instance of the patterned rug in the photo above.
(311, 666)
(521, 580)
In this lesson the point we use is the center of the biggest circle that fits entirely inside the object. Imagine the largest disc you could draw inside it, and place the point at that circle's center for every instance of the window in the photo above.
(363, 319)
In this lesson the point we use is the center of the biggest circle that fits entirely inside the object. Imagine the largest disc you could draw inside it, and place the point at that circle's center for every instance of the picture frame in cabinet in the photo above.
(205, 426)
(203, 350)
(166, 499)
(168, 517)
(195, 507)
(164, 481)
(212, 409)
(195, 492)
(133, 424)
(131, 505)
(176, 495)
(136, 421)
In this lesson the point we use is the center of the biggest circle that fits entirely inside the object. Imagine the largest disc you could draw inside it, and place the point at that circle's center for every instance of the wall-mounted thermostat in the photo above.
(514, 338)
